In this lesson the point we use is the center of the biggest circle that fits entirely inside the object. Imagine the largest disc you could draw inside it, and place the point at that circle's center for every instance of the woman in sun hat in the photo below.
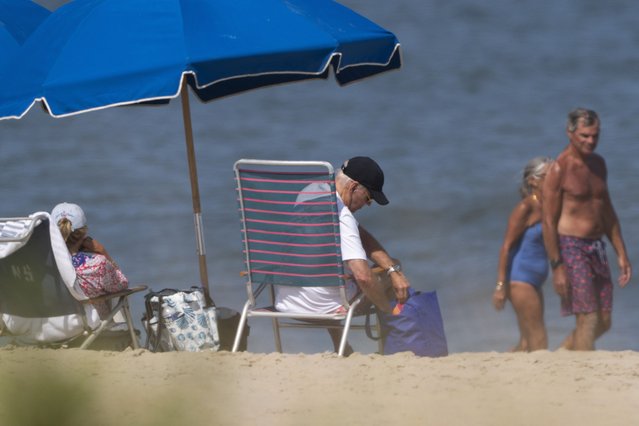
(96, 271)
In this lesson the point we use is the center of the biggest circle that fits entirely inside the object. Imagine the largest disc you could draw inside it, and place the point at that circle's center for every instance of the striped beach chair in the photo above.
(290, 234)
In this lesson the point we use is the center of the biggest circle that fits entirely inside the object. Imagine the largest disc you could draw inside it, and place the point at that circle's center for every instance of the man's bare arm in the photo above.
(368, 283)
(613, 232)
(551, 212)
(376, 252)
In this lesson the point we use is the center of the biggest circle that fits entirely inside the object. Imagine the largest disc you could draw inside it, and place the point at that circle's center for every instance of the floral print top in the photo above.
(98, 275)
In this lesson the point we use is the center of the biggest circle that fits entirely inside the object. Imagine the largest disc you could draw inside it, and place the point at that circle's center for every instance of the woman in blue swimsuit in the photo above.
(523, 264)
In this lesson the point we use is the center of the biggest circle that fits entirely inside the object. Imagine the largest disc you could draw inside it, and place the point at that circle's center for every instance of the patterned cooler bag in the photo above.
(178, 320)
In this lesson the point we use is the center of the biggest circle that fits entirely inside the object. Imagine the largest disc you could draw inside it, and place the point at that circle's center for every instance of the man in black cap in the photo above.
(366, 172)
(357, 183)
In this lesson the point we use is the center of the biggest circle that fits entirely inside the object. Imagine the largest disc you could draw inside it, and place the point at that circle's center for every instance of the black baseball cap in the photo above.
(368, 173)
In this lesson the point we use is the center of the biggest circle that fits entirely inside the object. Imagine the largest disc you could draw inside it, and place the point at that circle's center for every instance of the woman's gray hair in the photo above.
(587, 116)
(536, 169)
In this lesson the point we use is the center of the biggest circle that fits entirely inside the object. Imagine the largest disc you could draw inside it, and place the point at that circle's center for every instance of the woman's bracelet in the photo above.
(500, 285)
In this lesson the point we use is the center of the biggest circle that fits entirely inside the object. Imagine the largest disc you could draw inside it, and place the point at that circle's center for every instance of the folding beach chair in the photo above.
(290, 230)
(40, 301)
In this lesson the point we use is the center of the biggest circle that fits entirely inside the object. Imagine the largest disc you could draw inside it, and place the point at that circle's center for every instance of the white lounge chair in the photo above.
(40, 301)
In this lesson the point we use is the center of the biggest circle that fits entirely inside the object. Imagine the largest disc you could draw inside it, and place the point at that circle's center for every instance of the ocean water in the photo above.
(484, 87)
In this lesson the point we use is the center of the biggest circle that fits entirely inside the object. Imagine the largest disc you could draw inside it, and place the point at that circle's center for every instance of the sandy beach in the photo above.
(137, 387)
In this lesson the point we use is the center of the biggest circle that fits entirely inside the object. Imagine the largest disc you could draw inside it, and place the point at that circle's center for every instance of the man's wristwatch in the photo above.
(393, 268)
(554, 263)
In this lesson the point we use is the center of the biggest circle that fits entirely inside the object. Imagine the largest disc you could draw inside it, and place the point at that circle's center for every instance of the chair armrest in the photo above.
(129, 291)
(377, 270)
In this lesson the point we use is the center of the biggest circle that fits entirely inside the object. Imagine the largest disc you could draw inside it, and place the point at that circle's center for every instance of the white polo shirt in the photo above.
(325, 299)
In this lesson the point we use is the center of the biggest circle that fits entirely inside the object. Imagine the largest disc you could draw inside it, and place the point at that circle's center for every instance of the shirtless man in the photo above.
(577, 214)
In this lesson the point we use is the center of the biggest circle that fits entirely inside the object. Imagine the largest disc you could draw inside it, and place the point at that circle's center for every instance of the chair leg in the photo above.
(135, 344)
(95, 334)
(103, 325)
(121, 305)
(347, 327)
(276, 335)
(240, 327)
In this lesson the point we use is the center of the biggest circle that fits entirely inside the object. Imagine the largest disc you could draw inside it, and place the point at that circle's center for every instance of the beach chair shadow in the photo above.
(291, 238)
(41, 303)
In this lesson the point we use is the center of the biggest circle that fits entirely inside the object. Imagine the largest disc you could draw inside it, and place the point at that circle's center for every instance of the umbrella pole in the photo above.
(195, 192)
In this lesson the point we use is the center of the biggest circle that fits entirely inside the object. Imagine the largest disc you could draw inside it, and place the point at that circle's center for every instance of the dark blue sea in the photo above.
(485, 86)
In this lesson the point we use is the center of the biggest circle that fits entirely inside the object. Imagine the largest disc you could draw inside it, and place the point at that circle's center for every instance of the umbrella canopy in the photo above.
(93, 54)
(18, 19)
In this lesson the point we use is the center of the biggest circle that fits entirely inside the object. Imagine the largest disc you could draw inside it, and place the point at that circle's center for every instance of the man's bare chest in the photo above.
(583, 182)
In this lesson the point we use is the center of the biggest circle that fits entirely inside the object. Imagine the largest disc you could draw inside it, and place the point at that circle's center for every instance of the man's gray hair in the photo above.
(341, 177)
(587, 116)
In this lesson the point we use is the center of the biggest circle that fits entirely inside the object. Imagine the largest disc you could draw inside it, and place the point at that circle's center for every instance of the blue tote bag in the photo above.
(418, 328)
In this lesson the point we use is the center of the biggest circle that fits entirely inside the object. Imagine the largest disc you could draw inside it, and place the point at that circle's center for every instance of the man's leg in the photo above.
(569, 342)
(521, 345)
(336, 337)
(592, 290)
(585, 333)
(604, 323)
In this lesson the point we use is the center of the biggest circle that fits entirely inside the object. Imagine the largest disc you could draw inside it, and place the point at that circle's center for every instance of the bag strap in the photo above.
(367, 324)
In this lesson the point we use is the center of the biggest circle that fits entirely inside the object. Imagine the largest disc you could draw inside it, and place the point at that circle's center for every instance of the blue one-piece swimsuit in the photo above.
(528, 260)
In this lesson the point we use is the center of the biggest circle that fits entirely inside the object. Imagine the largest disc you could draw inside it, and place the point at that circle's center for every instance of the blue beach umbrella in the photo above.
(94, 54)
(18, 19)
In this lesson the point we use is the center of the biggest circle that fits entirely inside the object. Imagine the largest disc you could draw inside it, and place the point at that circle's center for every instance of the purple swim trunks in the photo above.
(590, 286)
